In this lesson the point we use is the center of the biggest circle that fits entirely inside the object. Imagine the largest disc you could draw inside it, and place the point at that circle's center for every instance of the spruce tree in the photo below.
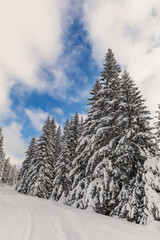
(40, 176)
(58, 141)
(135, 143)
(66, 131)
(157, 125)
(152, 188)
(76, 128)
(78, 173)
(104, 112)
(2, 160)
(6, 171)
(22, 182)
(113, 177)
(102, 187)
(81, 127)
(72, 129)
(152, 177)
(12, 175)
(73, 136)
(61, 183)
(52, 135)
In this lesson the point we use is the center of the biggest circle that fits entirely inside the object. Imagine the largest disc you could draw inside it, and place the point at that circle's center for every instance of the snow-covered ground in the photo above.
(29, 218)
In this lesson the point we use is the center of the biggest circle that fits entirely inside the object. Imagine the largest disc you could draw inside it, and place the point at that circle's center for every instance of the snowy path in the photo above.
(29, 218)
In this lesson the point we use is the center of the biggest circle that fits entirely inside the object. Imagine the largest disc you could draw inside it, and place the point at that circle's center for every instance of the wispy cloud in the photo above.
(58, 111)
(37, 118)
(81, 94)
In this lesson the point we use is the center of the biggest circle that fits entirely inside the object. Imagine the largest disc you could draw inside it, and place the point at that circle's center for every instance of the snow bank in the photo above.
(30, 218)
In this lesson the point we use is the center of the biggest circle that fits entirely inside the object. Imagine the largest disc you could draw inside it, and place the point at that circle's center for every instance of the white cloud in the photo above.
(58, 111)
(5, 101)
(60, 83)
(14, 144)
(31, 38)
(37, 118)
(132, 30)
(81, 94)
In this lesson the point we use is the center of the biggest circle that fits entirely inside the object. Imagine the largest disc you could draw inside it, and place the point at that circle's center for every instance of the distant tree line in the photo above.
(8, 172)
(110, 162)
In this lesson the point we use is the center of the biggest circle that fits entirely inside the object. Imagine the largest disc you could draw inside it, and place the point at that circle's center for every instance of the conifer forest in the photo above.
(108, 162)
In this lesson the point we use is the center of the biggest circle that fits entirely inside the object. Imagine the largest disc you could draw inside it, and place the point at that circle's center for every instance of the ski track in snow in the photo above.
(30, 218)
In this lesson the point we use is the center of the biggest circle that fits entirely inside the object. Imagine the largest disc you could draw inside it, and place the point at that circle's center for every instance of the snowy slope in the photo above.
(29, 218)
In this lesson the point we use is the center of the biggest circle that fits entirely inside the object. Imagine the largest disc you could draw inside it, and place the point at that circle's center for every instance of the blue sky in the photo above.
(80, 73)
(52, 53)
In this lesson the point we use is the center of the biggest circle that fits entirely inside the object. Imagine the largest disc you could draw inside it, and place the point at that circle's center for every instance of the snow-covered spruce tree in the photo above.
(58, 142)
(152, 176)
(73, 135)
(61, 183)
(98, 171)
(40, 176)
(66, 132)
(152, 188)
(81, 127)
(22, 181)
(2, 159)
(6, 171)
(84, 151)
(122, 133)
(134, 147)
(12, 175)
(102, 188)
(52, 135)
(9, 173)
(76, 127)
(157, 126)
(53, 142)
